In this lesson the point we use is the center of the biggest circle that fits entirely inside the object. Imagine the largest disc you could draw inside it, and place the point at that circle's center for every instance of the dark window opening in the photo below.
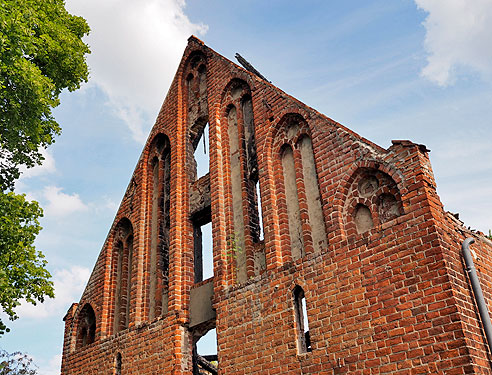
(160, 175)
(301, 321)
(118, 364)
(252, 182)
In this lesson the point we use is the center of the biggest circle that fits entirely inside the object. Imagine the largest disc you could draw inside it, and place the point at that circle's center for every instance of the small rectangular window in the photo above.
(301, 322)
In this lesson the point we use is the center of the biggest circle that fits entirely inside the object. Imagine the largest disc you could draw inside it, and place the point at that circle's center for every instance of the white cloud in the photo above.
(69, 285)
(135, 55)
(47, 167)
(61, 204)
(51, 366)
(458, 35)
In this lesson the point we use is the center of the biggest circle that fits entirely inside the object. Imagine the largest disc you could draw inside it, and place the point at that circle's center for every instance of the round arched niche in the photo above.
(372, 199)
(86, 330)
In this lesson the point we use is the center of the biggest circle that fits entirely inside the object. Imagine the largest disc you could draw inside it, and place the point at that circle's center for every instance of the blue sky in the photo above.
(403, 69)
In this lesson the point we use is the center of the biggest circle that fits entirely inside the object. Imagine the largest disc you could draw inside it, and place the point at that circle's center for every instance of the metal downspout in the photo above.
(477, 290)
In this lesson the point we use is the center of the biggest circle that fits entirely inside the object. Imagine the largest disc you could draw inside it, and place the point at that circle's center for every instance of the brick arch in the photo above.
(194, 60)
(293, 131)
(274, 144)
(344, 215)
(121, 273)
(274, 138)
(151, 146)
(240, 166)
(226, 96)
(156, 259)
(86, 326)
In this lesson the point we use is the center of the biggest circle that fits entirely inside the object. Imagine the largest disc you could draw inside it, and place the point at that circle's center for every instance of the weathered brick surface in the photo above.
(385, 293)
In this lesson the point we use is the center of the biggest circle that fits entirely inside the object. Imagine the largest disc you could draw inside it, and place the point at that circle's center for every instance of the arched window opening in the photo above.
(237, 196)
(301, 321)
(86, 327)
(292, 200)
(128, 271)
(123, 257)
(252, 178)
(363, 218)
(160, 170)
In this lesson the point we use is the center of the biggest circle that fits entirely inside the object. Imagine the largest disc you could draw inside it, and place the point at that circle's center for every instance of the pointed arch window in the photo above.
(123, 259)
(160, 198)
(301, 192)
(246, 233)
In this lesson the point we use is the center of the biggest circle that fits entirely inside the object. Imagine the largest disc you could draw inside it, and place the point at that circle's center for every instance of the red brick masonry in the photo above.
(355, 230)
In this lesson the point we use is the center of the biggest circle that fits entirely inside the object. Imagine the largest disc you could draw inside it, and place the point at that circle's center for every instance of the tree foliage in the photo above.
(16, 364)
(41, 53)
(22, 269)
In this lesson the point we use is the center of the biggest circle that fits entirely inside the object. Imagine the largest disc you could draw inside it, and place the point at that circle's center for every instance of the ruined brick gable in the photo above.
(330, 253)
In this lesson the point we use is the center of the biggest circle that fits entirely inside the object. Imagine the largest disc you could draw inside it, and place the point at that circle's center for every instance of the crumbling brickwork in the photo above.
(331, 255)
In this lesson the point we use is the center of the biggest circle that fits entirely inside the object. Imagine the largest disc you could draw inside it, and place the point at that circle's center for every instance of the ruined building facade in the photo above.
(331, 255)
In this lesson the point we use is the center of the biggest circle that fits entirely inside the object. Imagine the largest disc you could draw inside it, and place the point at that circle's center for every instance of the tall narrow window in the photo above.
(207, 252)
(293, 210)
(123, 257)
(260, 212)
(245, 237)
(237, 241)
(203, 248)
(201, 154)
(252, 180)
(159, 195)
(117, 364)
(301, 321)
(154, 238)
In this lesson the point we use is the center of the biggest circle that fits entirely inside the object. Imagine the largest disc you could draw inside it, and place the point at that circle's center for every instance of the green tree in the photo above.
(16, 364)
(41, 54)
(22, 268)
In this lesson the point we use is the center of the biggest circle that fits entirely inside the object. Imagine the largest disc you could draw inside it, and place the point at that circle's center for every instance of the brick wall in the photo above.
(366, 239)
